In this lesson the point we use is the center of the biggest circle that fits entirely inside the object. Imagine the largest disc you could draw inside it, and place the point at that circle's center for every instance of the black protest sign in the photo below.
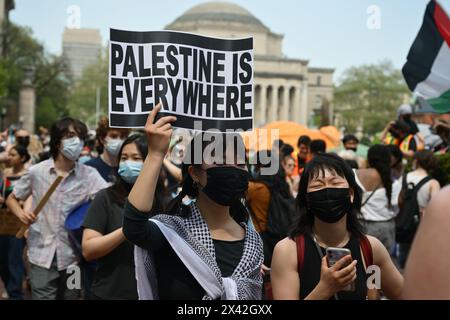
(202, 81)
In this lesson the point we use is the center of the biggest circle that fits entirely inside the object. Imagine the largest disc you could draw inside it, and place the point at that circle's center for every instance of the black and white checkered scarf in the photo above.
(191, 240)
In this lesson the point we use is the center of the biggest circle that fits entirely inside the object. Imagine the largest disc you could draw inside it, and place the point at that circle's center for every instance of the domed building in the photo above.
(285, 88)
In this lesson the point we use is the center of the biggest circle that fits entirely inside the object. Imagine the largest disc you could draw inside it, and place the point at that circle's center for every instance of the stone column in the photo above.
(27, 103)
(297, 105)
(263, 105)
(285, 106)
(304, 111)
(273, 116)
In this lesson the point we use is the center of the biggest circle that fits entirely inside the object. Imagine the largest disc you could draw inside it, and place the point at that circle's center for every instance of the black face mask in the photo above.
(407, 118)
(330, 204)
(24, 141)
(225, 185)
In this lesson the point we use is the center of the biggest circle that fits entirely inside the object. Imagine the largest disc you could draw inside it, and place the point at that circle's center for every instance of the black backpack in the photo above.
(280, 214)
(280, 217)
(408, 217)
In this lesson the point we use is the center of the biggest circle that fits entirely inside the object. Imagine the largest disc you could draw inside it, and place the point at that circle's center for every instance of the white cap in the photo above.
(404, 109)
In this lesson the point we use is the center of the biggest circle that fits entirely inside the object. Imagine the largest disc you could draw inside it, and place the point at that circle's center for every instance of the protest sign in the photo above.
(198, 79)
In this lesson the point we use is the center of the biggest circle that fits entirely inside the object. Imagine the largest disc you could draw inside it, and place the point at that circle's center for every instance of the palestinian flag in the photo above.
(427, 71)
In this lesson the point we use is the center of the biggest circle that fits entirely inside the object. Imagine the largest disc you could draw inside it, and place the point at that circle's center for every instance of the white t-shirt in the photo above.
(377, 208)
(423, 195)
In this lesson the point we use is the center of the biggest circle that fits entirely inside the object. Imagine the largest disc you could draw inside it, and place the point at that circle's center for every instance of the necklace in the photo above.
(340, 245)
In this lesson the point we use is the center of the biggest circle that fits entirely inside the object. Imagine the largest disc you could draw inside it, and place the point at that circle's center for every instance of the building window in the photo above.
(319, 80)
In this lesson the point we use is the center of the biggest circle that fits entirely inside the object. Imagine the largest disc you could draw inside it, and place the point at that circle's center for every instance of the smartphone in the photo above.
(334, 255)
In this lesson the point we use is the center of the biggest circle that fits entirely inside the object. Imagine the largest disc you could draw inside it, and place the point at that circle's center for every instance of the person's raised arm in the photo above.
(385, 131)
(173, 170)
(158, 138)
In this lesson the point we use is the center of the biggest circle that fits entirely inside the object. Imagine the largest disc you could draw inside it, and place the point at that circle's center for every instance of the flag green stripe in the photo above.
(442, 103)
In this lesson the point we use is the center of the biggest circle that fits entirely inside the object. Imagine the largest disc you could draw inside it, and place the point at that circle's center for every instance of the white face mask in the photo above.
(113, 146)
(71, 148)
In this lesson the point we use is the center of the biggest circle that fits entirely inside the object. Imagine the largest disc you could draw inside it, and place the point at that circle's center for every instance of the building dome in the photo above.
(218, 13)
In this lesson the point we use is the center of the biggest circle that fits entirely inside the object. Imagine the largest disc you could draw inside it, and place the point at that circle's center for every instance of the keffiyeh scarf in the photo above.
(191, 240)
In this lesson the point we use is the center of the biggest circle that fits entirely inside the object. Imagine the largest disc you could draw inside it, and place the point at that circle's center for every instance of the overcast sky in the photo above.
(329, 33)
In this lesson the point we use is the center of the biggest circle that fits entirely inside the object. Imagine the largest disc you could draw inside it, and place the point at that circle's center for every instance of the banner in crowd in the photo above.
(427, 71)
(198, 79)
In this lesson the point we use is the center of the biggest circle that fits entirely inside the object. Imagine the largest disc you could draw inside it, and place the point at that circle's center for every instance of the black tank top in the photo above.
(310, 273)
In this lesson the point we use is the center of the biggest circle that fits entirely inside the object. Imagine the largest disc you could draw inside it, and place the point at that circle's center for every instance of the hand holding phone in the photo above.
(336, 254)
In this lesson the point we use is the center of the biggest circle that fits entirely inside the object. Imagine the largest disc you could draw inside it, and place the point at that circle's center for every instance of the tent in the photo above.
(288, 131)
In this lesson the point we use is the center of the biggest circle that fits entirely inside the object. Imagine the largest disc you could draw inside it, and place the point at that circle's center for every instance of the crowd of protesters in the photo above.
(136, 211)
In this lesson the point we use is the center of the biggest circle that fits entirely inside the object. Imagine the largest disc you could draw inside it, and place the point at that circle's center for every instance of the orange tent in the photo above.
(289, 132)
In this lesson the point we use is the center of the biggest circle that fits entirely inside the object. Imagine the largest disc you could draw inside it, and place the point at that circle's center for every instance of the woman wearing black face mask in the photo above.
(328, 200)
(198, 251)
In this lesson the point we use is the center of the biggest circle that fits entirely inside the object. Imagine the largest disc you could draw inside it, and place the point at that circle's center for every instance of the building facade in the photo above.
(286, 89)
(81, 48)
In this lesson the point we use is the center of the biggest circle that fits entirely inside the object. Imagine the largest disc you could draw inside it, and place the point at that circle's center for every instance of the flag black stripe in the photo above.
(181, 38)
(424, 50)
(139, 120)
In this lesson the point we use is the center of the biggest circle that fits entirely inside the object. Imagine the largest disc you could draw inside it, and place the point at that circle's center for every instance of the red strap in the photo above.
(300, 241)
(366, 249)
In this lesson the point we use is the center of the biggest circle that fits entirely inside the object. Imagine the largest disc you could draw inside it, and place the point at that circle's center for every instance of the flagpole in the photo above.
(97, 106)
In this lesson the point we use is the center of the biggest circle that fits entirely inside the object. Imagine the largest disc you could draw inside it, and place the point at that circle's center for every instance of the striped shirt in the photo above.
(47, 236)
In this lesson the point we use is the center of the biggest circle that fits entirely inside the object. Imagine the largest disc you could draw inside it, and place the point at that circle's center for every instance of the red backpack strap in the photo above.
(366, 249)
(300, 241)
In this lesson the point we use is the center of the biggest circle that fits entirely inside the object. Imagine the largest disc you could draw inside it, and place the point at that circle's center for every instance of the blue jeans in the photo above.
(12, 268)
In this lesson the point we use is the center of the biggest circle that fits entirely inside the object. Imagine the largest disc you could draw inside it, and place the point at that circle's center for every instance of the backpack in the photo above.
(364, 244)
(280, 215)
(408, 217)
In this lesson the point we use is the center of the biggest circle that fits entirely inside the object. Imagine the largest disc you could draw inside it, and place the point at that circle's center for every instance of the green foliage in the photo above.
(369, 95)
(4, 78)
(443, 172)
(23, 51)
(82, 102)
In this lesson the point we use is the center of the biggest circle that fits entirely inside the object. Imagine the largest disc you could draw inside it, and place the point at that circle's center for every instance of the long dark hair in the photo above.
(379, 158)
(193, 158)
(119, 191)
(315, 168)
(22, 152)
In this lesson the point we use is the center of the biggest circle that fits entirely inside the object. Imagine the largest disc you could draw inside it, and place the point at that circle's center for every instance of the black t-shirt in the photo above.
(107, 172)
(115, 275)
(413, 128)
(310, 273)
(175, 282)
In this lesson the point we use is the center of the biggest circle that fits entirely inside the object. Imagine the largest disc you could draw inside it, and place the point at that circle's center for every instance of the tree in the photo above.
(83, 98)
(49, 75)
(369, 95)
